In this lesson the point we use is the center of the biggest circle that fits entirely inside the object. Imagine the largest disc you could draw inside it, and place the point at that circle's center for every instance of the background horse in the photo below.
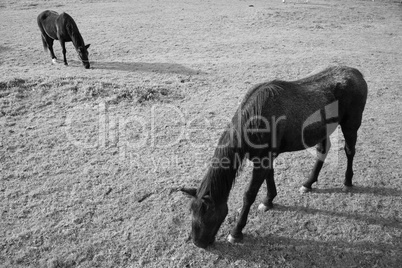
(276, 117)
(63, 28)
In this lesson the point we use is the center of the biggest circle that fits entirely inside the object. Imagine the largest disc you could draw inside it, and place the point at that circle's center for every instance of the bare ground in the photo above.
(91, 160)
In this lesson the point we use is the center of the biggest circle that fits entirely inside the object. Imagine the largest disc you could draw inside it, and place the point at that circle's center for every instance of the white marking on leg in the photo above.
(304, 190)
(262, 207)
(231, 239)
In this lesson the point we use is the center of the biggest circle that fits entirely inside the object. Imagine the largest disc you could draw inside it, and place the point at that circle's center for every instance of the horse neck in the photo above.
(222, 171)
(75, 35)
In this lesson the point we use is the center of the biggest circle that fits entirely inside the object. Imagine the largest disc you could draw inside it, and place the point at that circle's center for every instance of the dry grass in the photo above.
(90, 160)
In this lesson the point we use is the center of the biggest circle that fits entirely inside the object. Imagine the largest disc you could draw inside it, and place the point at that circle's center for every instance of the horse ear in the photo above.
(190, 192)
(87, 46)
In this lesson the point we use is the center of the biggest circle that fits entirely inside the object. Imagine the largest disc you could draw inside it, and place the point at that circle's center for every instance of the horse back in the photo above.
(341, 84)
(345, 83)
(67, 27)
(334, 96)
(304, 112)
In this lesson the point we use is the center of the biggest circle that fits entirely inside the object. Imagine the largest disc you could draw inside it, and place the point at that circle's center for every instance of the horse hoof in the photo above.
(304, 190)
(262, 207)
(235, 240)
(54, 61)
(347, 189)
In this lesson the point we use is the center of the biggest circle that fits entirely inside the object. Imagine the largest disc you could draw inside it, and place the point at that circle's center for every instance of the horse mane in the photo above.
(73, 31)
(253, 101)
(219, 180)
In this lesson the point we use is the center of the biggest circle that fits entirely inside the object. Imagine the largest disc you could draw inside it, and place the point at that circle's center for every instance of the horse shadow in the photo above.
(286, 251)
(376, 191)
(353, 216)
(156, 67)
(3, 49)
(280, 251)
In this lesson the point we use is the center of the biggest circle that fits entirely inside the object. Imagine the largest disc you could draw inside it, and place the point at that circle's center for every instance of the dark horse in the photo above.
(273, 118)
(63, 28)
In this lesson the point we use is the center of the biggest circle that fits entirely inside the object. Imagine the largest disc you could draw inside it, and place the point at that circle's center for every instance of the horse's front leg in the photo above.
(257, 179)
(63, 49)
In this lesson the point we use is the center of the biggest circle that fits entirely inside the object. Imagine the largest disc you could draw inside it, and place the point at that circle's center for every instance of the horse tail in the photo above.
(44, 43)
(42, 30)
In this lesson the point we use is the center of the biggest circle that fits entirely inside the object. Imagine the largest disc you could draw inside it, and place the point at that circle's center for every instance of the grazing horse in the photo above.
(276, 117)
(63, 28)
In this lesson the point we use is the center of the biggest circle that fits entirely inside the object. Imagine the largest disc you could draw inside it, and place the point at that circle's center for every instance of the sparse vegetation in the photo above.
(90, 160)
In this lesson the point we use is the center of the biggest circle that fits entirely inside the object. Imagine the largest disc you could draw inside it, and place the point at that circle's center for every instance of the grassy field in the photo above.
(91, 160)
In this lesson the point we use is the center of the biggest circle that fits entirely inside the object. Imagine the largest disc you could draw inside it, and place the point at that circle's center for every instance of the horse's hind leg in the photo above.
(349, 127)
(48, 42)
(350, 143)
(51, 51)
(322, 152)
(271, 192)
(257, 179)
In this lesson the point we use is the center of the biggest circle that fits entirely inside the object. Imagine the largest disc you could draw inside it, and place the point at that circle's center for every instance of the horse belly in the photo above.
(306, 137)
(315, 134)
(302, 134)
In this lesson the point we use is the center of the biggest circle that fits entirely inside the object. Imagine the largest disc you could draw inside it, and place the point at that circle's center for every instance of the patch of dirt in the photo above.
(91, 160)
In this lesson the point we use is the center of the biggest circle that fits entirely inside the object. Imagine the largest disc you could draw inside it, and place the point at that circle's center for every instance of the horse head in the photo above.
(207, 217)
(83, 54)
